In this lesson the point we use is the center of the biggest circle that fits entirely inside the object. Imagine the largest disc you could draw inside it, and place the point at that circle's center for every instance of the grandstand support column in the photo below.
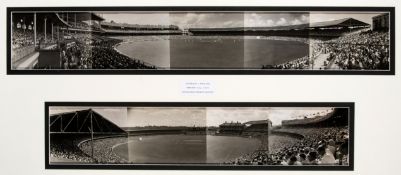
(52, 32)
(45, 29)
(61, 123)
(92, 132)
(75, 21)
(67, 23)
(34, 29)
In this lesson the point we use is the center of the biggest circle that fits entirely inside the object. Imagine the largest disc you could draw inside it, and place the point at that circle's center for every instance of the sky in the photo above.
(166, 116)
(231, 19)
(275, 19)
(190, 116)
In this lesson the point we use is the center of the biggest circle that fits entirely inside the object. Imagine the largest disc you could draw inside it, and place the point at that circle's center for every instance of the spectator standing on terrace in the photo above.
(327, 158)
(331, 146)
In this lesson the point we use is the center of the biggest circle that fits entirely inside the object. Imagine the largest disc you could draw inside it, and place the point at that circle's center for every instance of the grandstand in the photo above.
(334, 28)
(70, 131)
(319, 139)
(81, 21)
(35, 32)
(381, 22)
(327, 118)
(256, 127)
(82, 122)
(235, 128)
(113, 28)
(162, 130)
(65, 41)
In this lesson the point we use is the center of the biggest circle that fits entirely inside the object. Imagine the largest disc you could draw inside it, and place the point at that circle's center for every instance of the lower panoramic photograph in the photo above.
(248, 136)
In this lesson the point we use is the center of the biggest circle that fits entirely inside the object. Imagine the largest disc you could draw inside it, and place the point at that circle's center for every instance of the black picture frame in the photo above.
(391, 70)
(349, 105)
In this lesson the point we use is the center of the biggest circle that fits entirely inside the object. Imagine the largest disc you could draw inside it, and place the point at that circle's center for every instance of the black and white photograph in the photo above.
(200, 41)
(317, 136)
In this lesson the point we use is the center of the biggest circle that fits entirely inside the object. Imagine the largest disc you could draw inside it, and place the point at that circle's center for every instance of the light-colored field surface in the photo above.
(153, 52)
(221, 149)
(210, 53)
(191, 148)
(164, 149)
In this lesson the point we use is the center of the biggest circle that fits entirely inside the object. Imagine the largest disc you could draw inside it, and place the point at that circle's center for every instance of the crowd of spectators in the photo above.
(21, 38)
(22, 43)
(103, 149)
(63, 150)
(299, 63)
(320, 146)
(80, 150)
(79, 25)
(364, 50)
(82, 51)
(95, 52)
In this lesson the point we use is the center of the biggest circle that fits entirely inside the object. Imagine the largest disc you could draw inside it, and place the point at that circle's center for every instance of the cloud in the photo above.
(257, 20)
(165, 116)
(296, 22)
(208, 20)
(269, 22)
(281, 22)
(187, 20)
(305, 18)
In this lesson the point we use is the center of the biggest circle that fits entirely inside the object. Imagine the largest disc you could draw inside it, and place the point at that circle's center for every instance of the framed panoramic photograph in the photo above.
(201, 40)
(199, 136)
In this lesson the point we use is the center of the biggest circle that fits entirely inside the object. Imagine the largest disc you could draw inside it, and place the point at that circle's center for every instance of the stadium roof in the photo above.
(315, 119)
(85, 16)
(338, 117)
(29, 18)
(259, 122)
(56, 18)
(80, 16)
(82, 122)
(114, 24)
(346, 22)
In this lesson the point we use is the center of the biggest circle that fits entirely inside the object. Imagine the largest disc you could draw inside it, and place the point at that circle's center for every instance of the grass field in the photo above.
(190, 148)
(227, 53)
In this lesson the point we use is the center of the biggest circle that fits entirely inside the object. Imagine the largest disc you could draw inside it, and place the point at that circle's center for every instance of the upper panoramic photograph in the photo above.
(138, 41)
